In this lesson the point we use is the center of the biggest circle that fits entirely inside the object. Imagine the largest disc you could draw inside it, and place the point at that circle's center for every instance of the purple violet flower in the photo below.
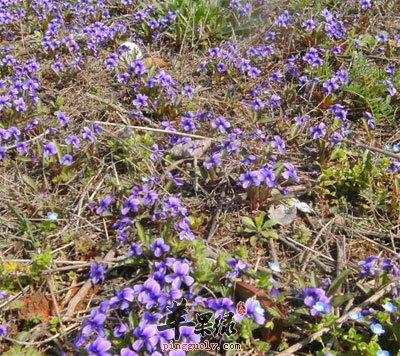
(140, 101)
(99, 347)
(146, 336)
(3, 331)
(312, 57)
(104, 204)
(159, 247)
(132, 203)
(237, 267)
(318, 131)
(279, 144)
(366, 3)
(188, 335)
(249, 179)
(88, 134)
(120, 330)
(22, 147)
(97, 273)
(220, 306)
(94, 323)
(308, 24)
(49, 149)
(316, 299)
(148, 293)
(290, 172)
(181, 274)
(66, 160)
(188, 91)
(214, 160)
(73, 140)
(62, 118)
(370, 119)
(257, 104)
(221, 123)
(123, 298)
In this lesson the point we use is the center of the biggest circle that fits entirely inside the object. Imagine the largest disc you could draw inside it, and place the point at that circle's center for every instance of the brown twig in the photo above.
(144, 128)
(38, 343)
(373, 149)
(14, 297)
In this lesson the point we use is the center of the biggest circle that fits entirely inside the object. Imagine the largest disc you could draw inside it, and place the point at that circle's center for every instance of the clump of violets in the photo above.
(99, 346)
(264, 175)
(104, 204)
(317, 301)
(97, 272)
(318, 131)
(312, 57)
(375, 264)
(238, 267)
(159, 247)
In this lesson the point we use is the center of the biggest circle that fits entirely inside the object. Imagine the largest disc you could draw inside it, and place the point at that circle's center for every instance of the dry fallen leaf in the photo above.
(195, 149)
(155, 62)
(303, 207)
(37, 305)
(282, 214)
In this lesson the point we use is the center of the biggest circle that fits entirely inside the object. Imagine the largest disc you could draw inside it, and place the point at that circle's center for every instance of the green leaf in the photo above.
(260, 219)
(25, 223)
(338, 281)
(59, 102)
(23, 336)
(269, 234)
(132, 319)
(261, 346)
(314, 280)
(373, 348)
(248, 230)
(28, 180)
(58, 149)
(294, 131)
(300, 280)
(166, 230)
(381, 279)
(253, 240)
(269, 223)
(141, 232)
(249, 223)
(341, 299)
(19, 350)
(279, 168)
(364, 288)
(274, 312)
(23, 159)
